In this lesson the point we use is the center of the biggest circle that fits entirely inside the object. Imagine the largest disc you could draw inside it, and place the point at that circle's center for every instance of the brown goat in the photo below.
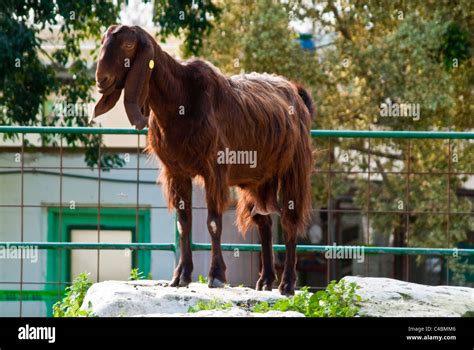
(196, 113)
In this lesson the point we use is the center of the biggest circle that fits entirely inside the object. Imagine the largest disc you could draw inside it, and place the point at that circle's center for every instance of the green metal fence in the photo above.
(174, 246)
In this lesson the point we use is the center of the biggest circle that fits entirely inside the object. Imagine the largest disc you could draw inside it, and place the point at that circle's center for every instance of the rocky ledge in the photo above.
(380, 297)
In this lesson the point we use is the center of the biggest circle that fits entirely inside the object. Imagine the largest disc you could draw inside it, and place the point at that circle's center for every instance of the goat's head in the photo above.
(125, 62)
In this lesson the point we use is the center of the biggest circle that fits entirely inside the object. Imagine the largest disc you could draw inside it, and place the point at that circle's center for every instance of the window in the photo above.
(117, 225)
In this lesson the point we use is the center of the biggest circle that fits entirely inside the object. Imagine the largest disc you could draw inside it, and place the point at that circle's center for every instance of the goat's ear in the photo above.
(105, 104)
(136, 85)
(146, 108)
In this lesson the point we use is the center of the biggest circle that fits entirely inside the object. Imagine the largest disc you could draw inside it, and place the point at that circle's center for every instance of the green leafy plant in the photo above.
(338, 300)
(135, 275)
(262, 307)
(202, 279)
(298, 302)
(210, 305)
(70, 306)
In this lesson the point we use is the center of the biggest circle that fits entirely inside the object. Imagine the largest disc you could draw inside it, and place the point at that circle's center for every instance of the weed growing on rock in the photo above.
(135, 275)
(202, 279)
(210, 305)
(70, 306)
(338, 300)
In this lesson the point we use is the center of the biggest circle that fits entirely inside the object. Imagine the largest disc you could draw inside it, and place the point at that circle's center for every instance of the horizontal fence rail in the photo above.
(243, 248)
(314, 133)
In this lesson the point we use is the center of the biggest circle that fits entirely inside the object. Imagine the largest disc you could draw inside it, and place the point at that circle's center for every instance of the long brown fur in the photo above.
(252, 112)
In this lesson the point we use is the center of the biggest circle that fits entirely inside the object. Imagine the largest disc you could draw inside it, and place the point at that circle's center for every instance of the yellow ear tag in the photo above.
(151, 64)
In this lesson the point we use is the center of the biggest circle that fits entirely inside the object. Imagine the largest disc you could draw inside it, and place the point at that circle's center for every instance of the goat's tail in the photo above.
(307, 99)
(295, 189)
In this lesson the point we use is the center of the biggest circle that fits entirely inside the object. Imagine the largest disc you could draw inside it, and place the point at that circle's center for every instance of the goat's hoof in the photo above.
(287, 288)
(265, 283)
(182, 275)
(180, 281)
(215, 283)
(263, 286)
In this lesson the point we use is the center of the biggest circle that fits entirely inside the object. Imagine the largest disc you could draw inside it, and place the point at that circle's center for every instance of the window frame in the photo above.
(59, 230)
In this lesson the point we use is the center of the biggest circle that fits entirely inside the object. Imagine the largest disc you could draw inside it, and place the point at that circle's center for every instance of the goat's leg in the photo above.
(288, 279)
(182, 192)
(289, 223)
(267, 273)
(217, 192)
(216, 277)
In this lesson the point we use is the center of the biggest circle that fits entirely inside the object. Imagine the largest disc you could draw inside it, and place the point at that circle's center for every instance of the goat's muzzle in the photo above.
(106, 85)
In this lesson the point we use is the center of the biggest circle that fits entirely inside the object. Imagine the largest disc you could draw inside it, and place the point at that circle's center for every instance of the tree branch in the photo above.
(340, 25)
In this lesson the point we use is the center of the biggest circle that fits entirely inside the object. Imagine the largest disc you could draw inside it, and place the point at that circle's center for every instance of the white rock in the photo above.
(233, 312)
(381, 297)
(386, 297)
(145, 297)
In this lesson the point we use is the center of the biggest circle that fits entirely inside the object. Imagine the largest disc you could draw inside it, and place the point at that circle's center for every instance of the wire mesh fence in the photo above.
(353, 172)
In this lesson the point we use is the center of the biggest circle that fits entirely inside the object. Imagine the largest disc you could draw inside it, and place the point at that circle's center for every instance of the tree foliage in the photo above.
(30, 75)
(417, 52)
(254, 36)
(191, 19)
